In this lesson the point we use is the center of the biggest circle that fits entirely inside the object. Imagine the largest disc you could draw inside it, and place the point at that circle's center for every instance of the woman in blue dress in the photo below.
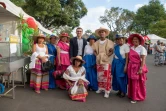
(119, 66)
(90, 64)
(52, 55)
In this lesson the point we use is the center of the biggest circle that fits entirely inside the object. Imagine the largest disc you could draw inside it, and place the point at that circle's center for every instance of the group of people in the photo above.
(160, 53)
(86, 65)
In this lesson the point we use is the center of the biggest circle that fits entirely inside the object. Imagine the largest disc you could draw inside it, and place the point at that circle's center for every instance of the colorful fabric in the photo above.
(104, 77)
(91, 71)
(81, 92)
(136, 89)
(76, 92)
(136, 82)
(119, 81)
(64, 57)
(39, 80)
(158, 57)
(52, 52)
(61, 83)
(81, 95)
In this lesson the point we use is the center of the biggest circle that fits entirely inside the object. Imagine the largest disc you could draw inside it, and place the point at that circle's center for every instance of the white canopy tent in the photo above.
(154, 38)
(12, 9)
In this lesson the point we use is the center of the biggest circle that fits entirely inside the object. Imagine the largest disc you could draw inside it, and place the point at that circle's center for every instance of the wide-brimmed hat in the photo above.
(117, 36)
(48, 38)
(53, 36)
(78, 58)
(39, 36)
(91, 37)
(140, 37)
(64, 35)
(102, 29)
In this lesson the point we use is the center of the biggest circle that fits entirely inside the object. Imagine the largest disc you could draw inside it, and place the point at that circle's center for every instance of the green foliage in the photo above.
(61, 29)
(88, 32)
(118, 20)
(19, 3)
(147, 15)
(159, 28)
(55, 13)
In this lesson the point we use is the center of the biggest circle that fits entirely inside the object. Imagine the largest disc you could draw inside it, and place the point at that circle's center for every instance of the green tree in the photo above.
(19, 3)
(51, 13)
(147, 15)
(61, 29)
(118, 20)
(159, 28)
(88, 32)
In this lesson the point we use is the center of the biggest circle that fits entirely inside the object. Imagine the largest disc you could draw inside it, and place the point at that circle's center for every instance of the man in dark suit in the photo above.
(77, 44)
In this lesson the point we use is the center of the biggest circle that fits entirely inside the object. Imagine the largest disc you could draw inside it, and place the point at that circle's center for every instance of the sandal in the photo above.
(46, 89)
(38, 92)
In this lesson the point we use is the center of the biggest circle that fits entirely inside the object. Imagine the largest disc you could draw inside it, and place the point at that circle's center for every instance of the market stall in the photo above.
(13, 43)
(154, 38)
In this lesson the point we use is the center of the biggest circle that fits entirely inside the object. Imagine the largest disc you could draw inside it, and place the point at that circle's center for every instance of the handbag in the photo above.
(58, 74)
(47, 66)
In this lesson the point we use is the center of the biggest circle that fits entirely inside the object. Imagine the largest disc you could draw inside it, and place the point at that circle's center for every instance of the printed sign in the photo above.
(14, 39)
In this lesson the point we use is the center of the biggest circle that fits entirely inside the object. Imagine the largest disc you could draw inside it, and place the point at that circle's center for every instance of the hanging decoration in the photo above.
(31, 23)
(29, 27)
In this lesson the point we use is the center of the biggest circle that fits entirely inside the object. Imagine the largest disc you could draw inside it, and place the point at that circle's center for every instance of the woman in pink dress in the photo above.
(63, 60)
(137, 69)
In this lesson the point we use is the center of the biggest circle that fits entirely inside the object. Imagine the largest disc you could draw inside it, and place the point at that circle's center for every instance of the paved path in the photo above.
(58, 100)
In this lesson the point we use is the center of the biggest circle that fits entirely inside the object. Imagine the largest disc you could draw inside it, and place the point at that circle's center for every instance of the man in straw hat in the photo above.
(77, 44)
(103, 49)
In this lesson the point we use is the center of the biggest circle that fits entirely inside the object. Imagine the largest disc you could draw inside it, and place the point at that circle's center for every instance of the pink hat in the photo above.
(140, 37)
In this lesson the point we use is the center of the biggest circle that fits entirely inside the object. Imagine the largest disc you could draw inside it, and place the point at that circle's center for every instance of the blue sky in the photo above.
(96, 9)
(128, 4)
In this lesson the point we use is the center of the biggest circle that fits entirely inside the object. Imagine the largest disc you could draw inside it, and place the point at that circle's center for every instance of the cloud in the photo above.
(108, 0)
(165, 5)
(137, 6)
(91, 20)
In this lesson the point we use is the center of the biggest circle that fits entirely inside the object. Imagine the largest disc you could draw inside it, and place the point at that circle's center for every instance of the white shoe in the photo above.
(133, 102)
(98, 91)
(106, 95)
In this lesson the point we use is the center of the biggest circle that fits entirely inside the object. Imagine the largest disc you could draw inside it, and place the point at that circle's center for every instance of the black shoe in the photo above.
(119, 93)
(122, 95)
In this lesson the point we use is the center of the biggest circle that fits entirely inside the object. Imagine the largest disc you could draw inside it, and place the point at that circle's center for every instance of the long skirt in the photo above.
(120, 84)
(104, 77)
(81, 92)
(91, 71)
(61, 83)
(136, 89)
(39, 80)
(159, 58)
(91, 76)
(119, 81)
(52, 84)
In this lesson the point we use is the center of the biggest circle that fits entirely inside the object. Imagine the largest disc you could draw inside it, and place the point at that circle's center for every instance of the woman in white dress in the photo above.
(76, 81)
(39, 79)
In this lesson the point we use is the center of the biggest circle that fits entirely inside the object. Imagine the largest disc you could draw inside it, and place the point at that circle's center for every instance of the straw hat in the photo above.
(39, 36)
(102, 29)
(140, 37)
(78, 58)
